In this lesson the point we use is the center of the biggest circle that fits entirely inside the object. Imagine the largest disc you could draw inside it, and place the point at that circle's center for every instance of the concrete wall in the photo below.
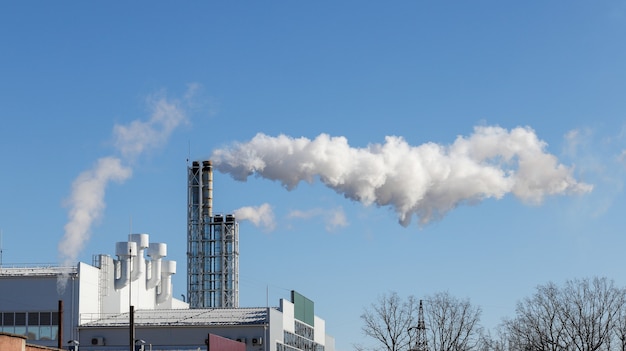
(11, 342)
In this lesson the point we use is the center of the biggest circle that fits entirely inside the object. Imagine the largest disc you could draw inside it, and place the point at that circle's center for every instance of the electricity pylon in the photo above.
(420, 344)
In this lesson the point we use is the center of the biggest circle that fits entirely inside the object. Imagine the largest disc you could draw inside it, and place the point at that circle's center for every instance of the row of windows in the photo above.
(304, 330)
(301, 343)
(33, 332)
(283, 347)
(9, 319)
(33, 325)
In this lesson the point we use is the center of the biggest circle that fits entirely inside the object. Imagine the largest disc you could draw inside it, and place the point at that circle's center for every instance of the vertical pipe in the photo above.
(131, 327)
(207, 189)
(206, 220)
(60, 323)
(131, 308)
(210, 190)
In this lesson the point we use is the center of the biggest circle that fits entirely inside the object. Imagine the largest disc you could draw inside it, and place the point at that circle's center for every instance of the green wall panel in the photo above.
(304, 309)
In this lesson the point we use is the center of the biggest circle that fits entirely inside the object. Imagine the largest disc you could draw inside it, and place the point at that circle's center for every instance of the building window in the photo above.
(8, 322)
(297, 342)
(304, 330)
(33, 325)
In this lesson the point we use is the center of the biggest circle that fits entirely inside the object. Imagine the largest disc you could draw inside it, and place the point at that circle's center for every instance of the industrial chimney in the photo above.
(212, 245)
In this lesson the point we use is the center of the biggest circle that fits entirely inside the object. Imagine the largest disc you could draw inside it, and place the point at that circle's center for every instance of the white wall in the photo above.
(288, 315)
(320, 331)
(88, 289)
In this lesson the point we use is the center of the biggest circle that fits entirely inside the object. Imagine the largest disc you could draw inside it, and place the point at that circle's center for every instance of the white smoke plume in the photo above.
(333, 218)
(86, 201)
(261, 216)
(137, 137)
(424, 181)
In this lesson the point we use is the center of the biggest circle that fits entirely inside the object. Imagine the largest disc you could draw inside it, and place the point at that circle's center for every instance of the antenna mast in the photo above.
(420, 344)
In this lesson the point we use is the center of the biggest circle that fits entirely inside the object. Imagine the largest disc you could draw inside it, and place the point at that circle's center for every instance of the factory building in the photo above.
(105, 305)
(48, 304)
(125, 302)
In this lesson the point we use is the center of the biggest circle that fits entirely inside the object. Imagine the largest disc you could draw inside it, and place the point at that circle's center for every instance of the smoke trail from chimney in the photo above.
(333, 218)
(261, 216)
(86, 201)
(424, 181)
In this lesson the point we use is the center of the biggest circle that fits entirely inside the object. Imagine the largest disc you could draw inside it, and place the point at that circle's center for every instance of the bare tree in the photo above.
(620, 329)
(584, 315)
(388, 321)
(540, 322)
(452, 324)
(499, 342)
(591, 308)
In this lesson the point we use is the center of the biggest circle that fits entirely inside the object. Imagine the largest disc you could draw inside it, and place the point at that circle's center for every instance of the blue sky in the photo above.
(149, 84)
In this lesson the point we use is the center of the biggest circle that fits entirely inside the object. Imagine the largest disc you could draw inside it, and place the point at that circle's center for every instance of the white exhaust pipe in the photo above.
(156, 251)
(168, 269)
(139, 264)
(125, 251)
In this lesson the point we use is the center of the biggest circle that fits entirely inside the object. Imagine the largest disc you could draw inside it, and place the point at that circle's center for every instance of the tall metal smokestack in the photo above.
(207, 189)
(212, 245)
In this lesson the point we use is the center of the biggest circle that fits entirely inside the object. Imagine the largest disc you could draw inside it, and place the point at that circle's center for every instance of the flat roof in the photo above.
(36, 270)
(184, 317)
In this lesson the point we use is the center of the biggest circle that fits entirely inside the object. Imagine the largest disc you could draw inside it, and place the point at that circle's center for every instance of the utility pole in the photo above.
(420, 344)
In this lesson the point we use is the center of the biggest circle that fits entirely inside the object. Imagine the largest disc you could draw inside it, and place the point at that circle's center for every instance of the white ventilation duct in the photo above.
(168, 268)
(156, 251)
(125, 251)
(139, 264)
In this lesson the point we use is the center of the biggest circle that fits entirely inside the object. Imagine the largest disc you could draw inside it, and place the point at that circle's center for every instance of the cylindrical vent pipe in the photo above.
(60, 324)
(124, 251)
(156, 251)
(207, 189)
(168, 269)
(139, 264)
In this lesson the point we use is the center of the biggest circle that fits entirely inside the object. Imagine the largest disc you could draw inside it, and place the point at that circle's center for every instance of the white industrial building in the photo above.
(94, 304)
(122, 302)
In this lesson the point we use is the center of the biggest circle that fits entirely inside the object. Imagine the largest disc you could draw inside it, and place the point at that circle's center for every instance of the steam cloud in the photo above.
(332, 218)
(86, 201)
(424, 181)
(260, 216)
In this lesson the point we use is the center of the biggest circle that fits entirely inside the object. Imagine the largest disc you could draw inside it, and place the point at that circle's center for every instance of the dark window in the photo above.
(33, 318)
(20, 318)
(45, 318)
(8, 319)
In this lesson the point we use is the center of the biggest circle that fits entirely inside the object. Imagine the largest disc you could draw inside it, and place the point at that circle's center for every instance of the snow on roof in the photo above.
(185, 317)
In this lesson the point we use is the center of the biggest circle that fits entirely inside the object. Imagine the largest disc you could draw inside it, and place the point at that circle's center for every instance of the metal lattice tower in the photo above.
(212, 245)
(421, 344)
